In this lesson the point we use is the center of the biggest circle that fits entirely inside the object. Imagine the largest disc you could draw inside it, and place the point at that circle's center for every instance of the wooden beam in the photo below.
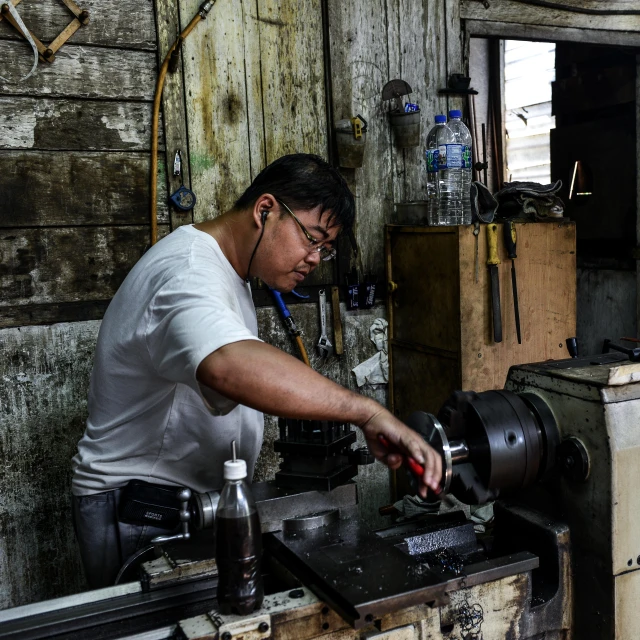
(512, 11)
(513, 31)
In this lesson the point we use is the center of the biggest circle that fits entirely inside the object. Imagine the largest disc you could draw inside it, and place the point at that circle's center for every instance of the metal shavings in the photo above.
(470, 618)
(446, 560)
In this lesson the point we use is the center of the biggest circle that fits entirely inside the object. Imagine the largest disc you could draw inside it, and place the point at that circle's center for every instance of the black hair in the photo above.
(304, 181)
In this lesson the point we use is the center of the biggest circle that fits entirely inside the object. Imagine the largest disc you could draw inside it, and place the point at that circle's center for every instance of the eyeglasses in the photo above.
(326, 253)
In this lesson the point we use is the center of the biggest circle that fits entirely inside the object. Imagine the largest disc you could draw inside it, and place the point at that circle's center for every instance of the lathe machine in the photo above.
(556, 452)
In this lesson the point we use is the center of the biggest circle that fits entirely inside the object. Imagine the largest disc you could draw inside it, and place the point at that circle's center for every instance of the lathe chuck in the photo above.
(491, 443)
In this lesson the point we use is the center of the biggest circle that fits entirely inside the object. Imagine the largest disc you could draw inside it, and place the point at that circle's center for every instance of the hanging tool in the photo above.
(492, 262)
(476, 233)
(337, 321)
(509, 229)
(324, 347)
(183, 199)
(294, 332)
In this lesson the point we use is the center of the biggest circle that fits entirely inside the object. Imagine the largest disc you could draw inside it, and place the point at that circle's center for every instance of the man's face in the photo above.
(289, 254)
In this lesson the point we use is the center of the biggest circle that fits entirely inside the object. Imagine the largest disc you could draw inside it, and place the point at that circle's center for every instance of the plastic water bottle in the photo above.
(433, 186)
(238, 543)
(436, 153)
(463, 137)
(449, 175)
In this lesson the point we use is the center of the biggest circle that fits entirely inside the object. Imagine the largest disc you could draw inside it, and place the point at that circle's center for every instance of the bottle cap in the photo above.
(235, 470)
(455, 113)
(441, 119)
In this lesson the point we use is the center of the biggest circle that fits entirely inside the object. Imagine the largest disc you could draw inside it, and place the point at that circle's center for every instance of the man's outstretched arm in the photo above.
(260, 376)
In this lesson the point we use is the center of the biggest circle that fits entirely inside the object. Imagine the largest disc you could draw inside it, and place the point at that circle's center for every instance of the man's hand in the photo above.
(398, 434)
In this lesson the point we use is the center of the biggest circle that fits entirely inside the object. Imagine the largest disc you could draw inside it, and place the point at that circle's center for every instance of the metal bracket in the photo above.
(47, 52)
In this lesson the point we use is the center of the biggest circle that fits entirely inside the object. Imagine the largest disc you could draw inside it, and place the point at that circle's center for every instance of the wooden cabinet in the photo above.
(440, 326)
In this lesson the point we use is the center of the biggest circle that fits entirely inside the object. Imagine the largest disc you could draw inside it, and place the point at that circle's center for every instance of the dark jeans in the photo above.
(105, 543)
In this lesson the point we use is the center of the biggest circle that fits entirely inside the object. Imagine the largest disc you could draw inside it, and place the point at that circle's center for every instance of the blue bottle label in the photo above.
(454, 156)
(443, 159)
(432, 160)
(466, 156)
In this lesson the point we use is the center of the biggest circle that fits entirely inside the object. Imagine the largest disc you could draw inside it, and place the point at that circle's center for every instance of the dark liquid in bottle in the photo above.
(238, 555)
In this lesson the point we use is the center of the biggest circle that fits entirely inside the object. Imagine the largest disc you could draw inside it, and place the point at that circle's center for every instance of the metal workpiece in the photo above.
(311, 521)
(366, 575)
(275, 505)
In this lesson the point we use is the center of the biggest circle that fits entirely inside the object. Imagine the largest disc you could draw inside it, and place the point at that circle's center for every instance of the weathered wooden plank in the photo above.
(214, 57)
(44, 378)
(46, 188)
(253, 85)
(360, 70)
(40, 266)
(52, 313)
(127, 23)
(173, 108)
(513, 31)
(81, 72)
(521, 13)
(292, 77)
(97, 125)
(454, 54)
(637, 256)
(422, 55)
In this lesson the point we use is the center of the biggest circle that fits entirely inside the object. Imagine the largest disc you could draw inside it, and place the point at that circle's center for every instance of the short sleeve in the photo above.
(191, 316)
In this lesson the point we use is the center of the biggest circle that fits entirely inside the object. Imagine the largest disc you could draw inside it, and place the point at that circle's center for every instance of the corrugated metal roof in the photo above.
(529, 70)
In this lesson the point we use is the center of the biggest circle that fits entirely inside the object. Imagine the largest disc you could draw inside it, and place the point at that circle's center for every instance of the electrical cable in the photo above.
(264, 218)
(547, 4)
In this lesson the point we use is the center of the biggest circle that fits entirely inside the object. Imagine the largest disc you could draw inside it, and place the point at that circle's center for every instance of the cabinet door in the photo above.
(424, 306)
(421, 380)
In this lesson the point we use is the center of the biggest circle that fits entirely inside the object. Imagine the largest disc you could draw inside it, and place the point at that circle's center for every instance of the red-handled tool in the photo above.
(416, 468)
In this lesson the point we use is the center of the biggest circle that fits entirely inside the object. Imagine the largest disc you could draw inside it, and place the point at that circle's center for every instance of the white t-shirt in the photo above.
(149, 418)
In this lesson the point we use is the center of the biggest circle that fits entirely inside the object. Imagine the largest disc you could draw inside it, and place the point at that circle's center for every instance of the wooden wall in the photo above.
(256, 80)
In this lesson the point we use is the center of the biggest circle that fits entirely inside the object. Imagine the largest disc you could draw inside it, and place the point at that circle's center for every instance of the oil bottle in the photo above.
(238, 543)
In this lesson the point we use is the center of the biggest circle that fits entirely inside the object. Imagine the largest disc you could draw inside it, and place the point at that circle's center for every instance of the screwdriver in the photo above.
(509, 230)
(492, 263)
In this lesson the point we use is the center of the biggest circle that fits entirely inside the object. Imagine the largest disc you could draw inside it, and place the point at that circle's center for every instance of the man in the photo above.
(179, 371)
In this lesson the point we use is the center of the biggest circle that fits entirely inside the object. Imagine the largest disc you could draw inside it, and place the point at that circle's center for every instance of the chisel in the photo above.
(492, 262)
(510, 245)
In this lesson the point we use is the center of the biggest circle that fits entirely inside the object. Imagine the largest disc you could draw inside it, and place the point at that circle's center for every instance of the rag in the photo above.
(530, 201)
